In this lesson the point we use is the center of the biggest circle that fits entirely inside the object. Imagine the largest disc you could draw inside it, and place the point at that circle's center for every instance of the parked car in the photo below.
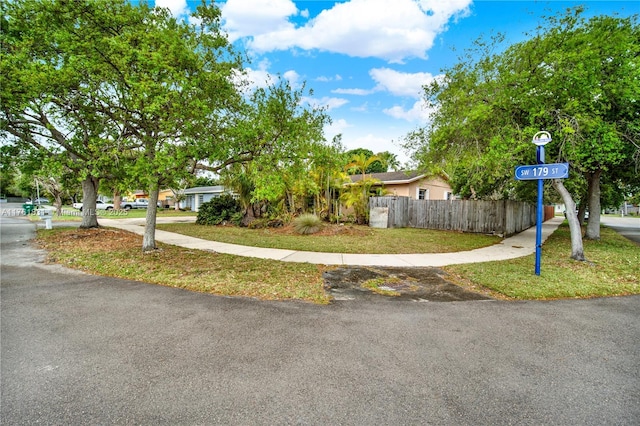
(39, 201)
(100, 205)
(140, 203)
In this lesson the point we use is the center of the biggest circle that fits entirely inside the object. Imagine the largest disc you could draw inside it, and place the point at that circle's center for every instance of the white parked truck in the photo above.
(140, 203)
(100, 205)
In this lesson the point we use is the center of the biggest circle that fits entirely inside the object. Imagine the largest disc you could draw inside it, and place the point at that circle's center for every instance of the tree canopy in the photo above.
(382, 162)
(578, 79)
(131, 94)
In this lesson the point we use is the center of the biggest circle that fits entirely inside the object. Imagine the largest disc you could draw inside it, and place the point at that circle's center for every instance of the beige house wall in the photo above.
(164, 194)
(437, 189)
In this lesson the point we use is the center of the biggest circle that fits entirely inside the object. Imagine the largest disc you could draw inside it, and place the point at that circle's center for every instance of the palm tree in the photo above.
(361, 163)
(237, 177)
(389, 160)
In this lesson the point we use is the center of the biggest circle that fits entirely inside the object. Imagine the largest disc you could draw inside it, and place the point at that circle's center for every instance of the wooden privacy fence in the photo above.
(488, 217)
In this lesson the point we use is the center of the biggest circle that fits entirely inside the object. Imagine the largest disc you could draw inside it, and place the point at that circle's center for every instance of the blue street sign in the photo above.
(543, 171)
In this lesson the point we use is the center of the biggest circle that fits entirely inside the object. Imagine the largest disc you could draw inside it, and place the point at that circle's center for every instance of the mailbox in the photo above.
(46, 215)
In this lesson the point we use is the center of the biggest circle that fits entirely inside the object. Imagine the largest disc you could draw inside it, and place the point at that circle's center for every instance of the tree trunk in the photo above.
(249, 215)
(89, 197)
(327, 200)
(584, 201)
(593, 224)
(54, 187)
(117, 200)
(577, 250)
(149, 238)
(177, 197)
(58, 203)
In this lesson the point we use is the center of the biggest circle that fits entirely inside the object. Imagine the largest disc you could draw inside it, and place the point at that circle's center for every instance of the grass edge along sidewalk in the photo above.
(612, 269)
(376, 245)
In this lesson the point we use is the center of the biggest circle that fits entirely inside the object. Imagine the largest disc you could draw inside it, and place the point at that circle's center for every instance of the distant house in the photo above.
(415, 185)
(165, 197)
(138, 193)
(195, 197)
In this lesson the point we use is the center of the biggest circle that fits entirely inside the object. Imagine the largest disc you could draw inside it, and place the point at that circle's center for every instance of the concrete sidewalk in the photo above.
(519, 245)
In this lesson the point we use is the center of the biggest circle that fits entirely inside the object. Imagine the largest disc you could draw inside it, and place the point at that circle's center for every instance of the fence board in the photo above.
(488, 217)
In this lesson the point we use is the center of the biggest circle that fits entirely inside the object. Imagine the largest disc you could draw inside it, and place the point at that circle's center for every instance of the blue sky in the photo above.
(366, 60)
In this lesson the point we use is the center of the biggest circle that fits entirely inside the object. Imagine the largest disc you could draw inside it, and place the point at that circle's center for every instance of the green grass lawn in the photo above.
(117, 253)
(341, 239)
(613, 269)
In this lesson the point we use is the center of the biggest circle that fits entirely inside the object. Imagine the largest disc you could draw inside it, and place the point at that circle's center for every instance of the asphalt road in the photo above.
(81, 349)
(628, 226)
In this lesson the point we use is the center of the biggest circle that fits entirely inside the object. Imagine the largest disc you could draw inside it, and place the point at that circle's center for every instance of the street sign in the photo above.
(543, 171)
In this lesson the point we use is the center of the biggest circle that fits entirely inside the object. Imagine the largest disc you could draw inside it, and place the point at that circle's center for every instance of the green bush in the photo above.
(237, 217)
(218, 210)
(262, 223)
(307, 224)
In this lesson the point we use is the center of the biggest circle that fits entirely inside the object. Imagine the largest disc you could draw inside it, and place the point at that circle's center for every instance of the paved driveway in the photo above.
(80, 349)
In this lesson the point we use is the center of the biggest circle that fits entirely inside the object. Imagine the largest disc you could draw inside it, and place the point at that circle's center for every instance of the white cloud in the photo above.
(177, 7)
(256, 17)
(357, 92)
(372, 142)
(362, 108)
(377, 138)
(325, 79)
(418, 113)
(336, 127)
(329, 103)
(395, 82)
(400, 83)
(293, 78)
(389, 29)
(259, 78)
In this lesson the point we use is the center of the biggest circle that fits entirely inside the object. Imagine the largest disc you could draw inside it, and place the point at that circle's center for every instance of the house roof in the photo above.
(392, 178)
(205, 190)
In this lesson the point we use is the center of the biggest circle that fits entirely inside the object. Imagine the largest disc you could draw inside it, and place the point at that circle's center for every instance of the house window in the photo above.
(200, 199)
(447, 195)
(423, 194)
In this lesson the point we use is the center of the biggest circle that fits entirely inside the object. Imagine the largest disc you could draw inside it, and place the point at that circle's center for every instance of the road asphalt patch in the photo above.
(416, 284)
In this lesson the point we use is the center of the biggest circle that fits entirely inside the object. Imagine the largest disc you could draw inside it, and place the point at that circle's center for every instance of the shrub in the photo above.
(237, 217)
(264, 222)
(258, 223)
(218, 210)
(307, 224)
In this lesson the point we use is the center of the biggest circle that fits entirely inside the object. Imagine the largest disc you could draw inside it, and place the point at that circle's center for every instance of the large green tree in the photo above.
(173, 87)
(576, 78)
(280, 136)
(126, 92)
(52, 83)
(133, 95)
